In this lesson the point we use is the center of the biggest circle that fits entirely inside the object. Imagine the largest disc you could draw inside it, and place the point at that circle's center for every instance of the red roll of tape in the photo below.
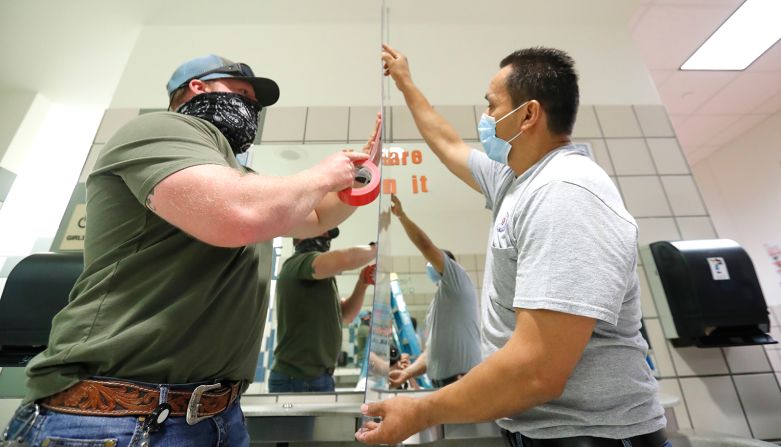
(365, 194)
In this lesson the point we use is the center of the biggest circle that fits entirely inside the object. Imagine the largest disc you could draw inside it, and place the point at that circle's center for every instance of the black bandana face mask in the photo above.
(235, 115)
(319, 243)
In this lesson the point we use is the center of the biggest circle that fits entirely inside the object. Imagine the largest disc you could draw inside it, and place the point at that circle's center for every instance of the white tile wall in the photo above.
(657, 229)
(691, 361)
(683, 195)
(774, 351)
(328, 124)
(599, 148)
(667, 156)
(671, 386)
(664, 363)
(467, 262)
(646, 298)
(480, 259)
(775, 315)
(417, 264)
(113, 119)
(387, 263)
(418, 283)
(404, 128)
(284, 124)
(747, 359)
(361, 124)
(401, 264)
(618, 122)
(644, 196)
(586, 125)
(774, 356)
(761, 398)
(714, 405)
(92, 157)
(630, 156)
(475, 279)
(462, 118)
(653, 121)
(696, 227)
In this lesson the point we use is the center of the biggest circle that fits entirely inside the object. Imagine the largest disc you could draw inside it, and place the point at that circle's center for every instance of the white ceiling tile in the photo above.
(638, 14)
(696, 154)
(744, 94)
(699, 129)
(771, 106)
(667, 35)
(769, 61)
(685, 91)
(736, 129)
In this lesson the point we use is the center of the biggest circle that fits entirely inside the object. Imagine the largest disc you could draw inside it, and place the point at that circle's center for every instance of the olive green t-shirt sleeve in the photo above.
(156, 145)
(299, 266)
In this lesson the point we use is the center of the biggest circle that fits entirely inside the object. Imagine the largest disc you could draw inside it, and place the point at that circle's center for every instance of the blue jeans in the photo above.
(67, 430)
(282, 383)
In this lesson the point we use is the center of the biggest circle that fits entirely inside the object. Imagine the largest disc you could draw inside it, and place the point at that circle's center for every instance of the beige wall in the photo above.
(12, 113)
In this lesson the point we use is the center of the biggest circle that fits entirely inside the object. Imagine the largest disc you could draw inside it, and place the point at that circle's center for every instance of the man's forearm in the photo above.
(440, 136)
(331, 211)
(417, 236)
(417, 367)
(498, 387)
(352, 305)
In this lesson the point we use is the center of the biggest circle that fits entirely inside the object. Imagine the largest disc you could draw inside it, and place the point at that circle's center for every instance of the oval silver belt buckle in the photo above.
(195, 402)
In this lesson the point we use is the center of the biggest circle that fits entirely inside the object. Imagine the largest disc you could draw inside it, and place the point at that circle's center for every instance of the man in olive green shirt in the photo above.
(310, 312)
(173, 293)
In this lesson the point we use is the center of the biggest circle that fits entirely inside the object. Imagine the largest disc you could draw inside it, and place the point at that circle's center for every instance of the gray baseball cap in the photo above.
(216, 67)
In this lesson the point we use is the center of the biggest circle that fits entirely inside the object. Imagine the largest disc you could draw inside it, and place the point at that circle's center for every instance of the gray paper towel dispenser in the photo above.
(706, 293)
(37, 288)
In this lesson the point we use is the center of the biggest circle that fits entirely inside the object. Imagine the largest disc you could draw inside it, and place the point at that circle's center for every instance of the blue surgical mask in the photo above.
(496, 148)
(432, 273)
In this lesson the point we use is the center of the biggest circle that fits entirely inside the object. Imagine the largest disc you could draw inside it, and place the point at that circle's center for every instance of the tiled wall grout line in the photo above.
(306, 119)
(737, 392)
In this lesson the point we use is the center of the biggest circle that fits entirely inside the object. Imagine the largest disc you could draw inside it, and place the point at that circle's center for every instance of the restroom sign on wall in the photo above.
(73, 239)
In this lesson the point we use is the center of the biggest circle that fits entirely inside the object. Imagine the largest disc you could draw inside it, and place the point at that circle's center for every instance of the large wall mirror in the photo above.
(358, 230)
(445, 209)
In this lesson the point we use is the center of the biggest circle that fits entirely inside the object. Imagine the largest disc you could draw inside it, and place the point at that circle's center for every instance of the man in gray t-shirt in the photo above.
(564, 361)
(453, 342)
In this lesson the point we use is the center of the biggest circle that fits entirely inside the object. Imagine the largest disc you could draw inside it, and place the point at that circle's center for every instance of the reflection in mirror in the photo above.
(428, 226)
(318, 293)
(381, 318)
(432, 199)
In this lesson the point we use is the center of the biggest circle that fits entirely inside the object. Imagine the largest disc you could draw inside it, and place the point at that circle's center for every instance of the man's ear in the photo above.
(197, 86)
(532, 114)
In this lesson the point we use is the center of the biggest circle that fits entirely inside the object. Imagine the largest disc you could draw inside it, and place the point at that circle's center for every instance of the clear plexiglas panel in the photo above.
(359, 229)
(381, 323)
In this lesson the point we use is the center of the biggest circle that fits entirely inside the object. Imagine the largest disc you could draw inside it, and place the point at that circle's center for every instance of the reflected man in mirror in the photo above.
(310, 312)
(452, 321)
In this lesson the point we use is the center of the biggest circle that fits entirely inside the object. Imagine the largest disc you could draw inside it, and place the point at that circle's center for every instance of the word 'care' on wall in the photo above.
(396, 156)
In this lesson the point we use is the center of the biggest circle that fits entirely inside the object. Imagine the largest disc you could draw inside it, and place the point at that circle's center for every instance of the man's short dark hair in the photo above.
(547, 75)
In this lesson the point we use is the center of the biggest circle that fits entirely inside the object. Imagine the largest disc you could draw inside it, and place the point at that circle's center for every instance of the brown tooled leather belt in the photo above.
(118, 398)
